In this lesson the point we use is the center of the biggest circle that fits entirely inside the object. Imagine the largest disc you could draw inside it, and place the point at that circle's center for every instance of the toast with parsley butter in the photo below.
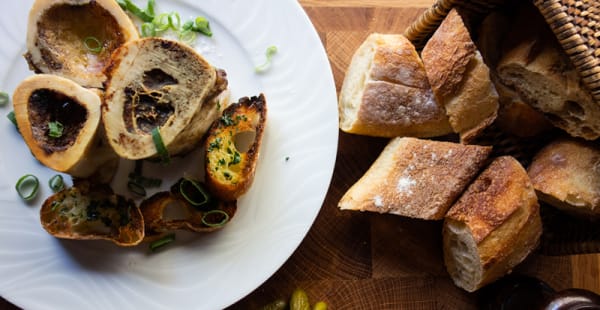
(232, 147)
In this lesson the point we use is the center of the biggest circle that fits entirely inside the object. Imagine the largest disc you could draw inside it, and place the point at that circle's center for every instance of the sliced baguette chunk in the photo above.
(566, 174)
(459, 78)
(386, 92)
(416, 178)
(493, 226)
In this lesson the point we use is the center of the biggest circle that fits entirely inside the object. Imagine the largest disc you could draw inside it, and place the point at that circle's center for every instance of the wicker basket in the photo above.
(576, 25)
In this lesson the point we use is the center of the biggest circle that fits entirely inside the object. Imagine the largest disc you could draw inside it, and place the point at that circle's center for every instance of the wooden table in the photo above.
(356, 260)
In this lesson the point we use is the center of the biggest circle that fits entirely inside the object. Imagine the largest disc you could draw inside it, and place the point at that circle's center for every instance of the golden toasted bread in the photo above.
(232, 147)
(493, 226)
(416, 178)
(187, 206)
(88, 211)
(565, 174)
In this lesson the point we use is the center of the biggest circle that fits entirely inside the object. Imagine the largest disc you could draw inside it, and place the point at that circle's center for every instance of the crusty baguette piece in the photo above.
(536, 66)
(493, 226)
(232, 147)
(459, 78)
(386, 93)
(565, 174)
(416, 178)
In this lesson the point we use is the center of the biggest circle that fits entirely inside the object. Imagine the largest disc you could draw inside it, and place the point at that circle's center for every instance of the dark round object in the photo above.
(515, 292)
(574, 299)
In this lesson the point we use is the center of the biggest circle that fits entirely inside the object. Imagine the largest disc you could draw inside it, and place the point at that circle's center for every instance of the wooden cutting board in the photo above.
(356, 260)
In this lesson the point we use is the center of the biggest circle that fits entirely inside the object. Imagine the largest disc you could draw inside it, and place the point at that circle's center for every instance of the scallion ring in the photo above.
(92, 44)
(161, 22)
(56, 183)
(271, 50)
(12, 118)
(193, 192)
(187, 36)
(208, 222)
(55, 129)
(201, 25)
(174, 21)
(154, 246)
(148, 30)
(136, 188)
(4, 98)
(27, 187)
(162, 151)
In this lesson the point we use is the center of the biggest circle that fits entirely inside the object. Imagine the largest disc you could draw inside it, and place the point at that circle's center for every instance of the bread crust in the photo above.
(386, 92)
(416, 178)
(565, 175)
(459, 78)
(499, 214)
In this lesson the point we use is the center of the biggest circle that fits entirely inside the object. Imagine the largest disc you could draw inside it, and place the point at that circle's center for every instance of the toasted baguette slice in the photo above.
(386, 92)
(89, 211)
(494, 225)
(416, 178)
(232, 147)
(459, 78)
(565, 174)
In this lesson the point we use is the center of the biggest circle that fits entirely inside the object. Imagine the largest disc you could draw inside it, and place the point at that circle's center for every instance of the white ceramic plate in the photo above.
(204, 272)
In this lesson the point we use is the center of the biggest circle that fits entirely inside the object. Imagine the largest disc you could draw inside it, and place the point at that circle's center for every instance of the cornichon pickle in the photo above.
(278, 304)
(299, 300)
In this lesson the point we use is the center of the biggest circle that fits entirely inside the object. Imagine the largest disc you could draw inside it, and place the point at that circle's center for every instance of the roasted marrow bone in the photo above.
(158, 83)
(42, 101)
(168, 211)
(75, 38)
(232, 147)
(89, 211)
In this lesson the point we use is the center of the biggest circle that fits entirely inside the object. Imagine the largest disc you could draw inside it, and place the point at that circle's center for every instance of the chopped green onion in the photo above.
(148, 30)
(162, 151)
(56, 183)
(136, 188)
(201, 25)
(11, 117)
(154, 246)
(193, 192)
(4, 98)
(92, 44)
(187, 26)
(27, 187)
(161, 22)
(271, 50)
(145, 15)
(174, 21)
(150, 7)
(187, 36)
(210, 223)
(55, 129)
(236, 158)
(144, 181)
(54, 205)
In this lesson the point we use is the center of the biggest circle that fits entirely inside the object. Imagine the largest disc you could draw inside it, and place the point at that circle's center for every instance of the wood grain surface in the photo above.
(354, 260)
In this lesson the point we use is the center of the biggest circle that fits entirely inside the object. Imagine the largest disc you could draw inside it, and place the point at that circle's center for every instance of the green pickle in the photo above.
(321, 305)
(299, 300)
(278, 304)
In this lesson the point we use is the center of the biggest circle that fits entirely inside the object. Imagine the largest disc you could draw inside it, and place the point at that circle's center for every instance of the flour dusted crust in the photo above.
(493, 226)
(416, 178)
(459, 78)
(386, 92)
